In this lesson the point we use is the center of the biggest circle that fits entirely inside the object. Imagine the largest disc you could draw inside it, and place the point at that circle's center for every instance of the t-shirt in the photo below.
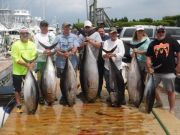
(119, 51)
(19, 49)
(143, 47)
(163, 52)
(95, 36)
(46, 39)
(64, 44)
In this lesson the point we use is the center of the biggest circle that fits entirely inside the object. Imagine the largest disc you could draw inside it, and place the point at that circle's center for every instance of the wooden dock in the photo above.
(91, 119)
(82, 119)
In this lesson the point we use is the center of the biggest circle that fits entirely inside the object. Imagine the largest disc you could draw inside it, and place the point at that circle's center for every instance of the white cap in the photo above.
(24, 30)
(87, 23)
(140, 27)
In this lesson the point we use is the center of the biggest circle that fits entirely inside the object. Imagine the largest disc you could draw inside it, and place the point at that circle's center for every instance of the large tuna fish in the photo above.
(177, 83)
(135, 82)
(89, 77)
(48, 79)
(69, 82)
(117, 86)
(31, 92)
(149, 95)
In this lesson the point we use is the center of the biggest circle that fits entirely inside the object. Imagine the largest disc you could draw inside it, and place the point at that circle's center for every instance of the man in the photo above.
(104, 37)
(161, 54)
(94, 40)
(102, 33)
(66, 48)
(27, 49)
(46, 38)
(116, 56)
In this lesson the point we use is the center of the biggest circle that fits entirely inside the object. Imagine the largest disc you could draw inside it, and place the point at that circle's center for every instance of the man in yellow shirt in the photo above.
(23, 47)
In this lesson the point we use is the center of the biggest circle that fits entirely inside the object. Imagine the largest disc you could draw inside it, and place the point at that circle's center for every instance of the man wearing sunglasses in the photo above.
(161, 54)
(23, 47)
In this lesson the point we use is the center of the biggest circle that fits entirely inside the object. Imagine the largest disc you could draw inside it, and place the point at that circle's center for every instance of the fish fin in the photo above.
(111, 51)
(48, 47)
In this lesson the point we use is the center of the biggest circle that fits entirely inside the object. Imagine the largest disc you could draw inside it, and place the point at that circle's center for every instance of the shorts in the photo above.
(41, 65)
(168, 81)
(17, 82)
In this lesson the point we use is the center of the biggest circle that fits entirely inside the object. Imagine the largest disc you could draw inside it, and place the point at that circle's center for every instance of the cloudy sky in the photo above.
(72, 10)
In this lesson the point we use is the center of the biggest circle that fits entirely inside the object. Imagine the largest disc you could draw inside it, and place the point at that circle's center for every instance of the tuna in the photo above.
(69, 82)
(89, 77)
(177, 83)
(48, 79)
(31, 92)
(117, 86)
(135, 82)
(149, 95)
(48, 82)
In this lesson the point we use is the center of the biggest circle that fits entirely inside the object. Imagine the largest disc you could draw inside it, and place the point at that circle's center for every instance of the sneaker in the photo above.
(172, 112)
(41, 101)
(157, 105)
(19, 109)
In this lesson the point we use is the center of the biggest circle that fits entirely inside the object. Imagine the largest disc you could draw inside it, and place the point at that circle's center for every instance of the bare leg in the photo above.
(171, 99)
(158, 99)
(18, 97)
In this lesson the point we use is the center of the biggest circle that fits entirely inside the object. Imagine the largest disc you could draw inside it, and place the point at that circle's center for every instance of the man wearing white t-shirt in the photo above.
(116, 56)
(47, 39)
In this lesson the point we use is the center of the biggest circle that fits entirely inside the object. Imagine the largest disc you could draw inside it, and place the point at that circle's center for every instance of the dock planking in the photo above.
(82, 119)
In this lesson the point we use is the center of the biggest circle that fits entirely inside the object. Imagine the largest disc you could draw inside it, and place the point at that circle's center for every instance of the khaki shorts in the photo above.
(168, 81)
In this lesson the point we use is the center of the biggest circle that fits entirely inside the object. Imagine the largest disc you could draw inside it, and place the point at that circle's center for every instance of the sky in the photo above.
(74, 10)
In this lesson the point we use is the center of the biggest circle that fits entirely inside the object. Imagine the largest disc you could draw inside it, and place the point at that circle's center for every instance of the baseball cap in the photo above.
(140, 27)
(112, 30)
(160, 27)
(24, 30)
(87, 23)
(43, 23)
(66, 24)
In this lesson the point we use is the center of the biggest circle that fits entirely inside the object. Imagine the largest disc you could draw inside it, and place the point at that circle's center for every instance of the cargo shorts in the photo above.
(167, 79)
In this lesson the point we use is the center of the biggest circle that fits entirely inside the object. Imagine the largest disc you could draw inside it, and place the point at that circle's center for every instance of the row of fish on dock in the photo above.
(89, 80)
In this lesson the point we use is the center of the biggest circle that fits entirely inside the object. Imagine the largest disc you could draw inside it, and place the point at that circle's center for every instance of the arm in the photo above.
(178, 63)
(95, 40)
(149, 65)
(105, 55)
(121, 50)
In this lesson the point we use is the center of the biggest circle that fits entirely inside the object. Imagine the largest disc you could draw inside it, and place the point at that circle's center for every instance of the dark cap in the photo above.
(112, 30)
(43, 23)
(160, 27)
(66, 24)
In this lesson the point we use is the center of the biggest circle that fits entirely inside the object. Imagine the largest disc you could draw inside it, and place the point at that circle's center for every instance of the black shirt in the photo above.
(163, 52)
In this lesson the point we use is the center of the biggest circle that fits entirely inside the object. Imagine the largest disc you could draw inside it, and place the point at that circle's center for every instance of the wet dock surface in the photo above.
(82, 119)
(92, 119)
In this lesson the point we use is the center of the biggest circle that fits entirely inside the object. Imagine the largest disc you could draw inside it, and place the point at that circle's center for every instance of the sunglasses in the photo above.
(161, 31)
(24, 33)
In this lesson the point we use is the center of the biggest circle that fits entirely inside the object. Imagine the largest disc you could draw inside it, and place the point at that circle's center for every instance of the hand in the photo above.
(87, 39)
(150, 70)
(112, 55)
(47, 52)
(107, 55)
(135, 50)
(66, 54)
(30, 66)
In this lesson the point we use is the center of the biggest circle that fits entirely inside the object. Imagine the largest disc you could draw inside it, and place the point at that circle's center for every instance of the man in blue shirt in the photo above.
(66, 41)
